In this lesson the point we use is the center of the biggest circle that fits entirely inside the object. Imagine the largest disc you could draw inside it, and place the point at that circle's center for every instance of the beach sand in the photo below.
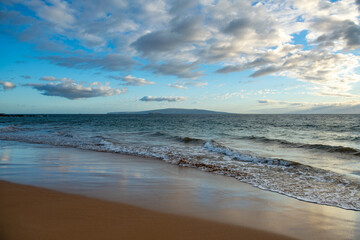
(34, 213)
(174, 196)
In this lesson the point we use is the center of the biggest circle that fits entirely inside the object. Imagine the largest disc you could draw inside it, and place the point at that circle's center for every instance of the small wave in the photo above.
(191, 140)
(213, 146)
(328, 148)
(178, 138)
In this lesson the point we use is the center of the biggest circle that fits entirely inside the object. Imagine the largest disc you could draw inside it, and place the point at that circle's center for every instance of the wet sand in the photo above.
(34, 213)
(161, 187)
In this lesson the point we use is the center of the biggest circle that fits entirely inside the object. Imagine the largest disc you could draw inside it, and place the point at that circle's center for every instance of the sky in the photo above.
(240, 56)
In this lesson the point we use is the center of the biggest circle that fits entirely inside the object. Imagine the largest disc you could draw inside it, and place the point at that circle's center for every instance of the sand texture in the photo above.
(35, 213)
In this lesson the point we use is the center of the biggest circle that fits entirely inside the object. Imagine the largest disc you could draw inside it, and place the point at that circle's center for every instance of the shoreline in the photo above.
(29, 212)
(169, 189)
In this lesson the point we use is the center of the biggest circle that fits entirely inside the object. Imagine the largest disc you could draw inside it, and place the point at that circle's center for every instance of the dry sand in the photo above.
(35, 213)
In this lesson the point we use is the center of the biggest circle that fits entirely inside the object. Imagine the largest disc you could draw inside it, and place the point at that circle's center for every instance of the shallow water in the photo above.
(154, 184)
(314, 158)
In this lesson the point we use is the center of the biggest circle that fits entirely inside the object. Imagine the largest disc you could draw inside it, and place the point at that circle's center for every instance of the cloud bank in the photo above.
(312, 41)
(70, 89)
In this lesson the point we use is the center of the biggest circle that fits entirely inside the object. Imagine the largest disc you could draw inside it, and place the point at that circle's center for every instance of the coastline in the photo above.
(169, 189)
(34, 213)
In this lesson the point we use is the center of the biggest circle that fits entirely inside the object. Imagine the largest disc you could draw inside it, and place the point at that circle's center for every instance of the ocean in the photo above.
(313, 158)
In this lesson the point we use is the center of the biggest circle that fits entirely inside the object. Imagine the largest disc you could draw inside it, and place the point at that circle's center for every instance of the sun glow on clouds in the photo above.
(188, 43)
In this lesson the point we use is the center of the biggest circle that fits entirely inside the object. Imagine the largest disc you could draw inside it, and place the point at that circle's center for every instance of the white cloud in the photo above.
(265, 92)
(276, 102)
(184, 84)
(162, 99)
(178, 86)
(70, 89)
(194, 83)
(332, 72)
(227, 96)
(7, 85)
(133, 81)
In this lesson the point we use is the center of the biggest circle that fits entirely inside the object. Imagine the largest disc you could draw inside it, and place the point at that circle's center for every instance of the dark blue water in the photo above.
(313, 158)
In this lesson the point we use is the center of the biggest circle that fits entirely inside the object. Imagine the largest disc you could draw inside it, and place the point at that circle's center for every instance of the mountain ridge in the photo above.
(174, 111)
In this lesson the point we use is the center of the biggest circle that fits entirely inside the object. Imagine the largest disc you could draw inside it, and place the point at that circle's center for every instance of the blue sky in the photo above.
(234, 56)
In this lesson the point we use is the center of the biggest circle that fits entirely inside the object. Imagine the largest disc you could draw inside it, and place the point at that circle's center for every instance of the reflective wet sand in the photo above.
(157, 185)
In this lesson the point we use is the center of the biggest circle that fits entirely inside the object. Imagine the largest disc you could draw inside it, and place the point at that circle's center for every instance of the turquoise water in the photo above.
(314, 158)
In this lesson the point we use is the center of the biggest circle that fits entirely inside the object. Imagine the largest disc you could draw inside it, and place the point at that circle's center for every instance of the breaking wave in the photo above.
(290, 178)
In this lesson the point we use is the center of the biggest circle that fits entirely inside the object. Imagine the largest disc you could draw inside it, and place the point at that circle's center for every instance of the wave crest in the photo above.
(327, 148)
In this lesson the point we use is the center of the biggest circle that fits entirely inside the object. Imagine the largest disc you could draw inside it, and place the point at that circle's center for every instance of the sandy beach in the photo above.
(105, 195)
(165, 119)
(34, 213)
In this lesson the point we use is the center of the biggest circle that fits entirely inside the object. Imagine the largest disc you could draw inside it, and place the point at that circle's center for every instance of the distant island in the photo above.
(173, 111)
